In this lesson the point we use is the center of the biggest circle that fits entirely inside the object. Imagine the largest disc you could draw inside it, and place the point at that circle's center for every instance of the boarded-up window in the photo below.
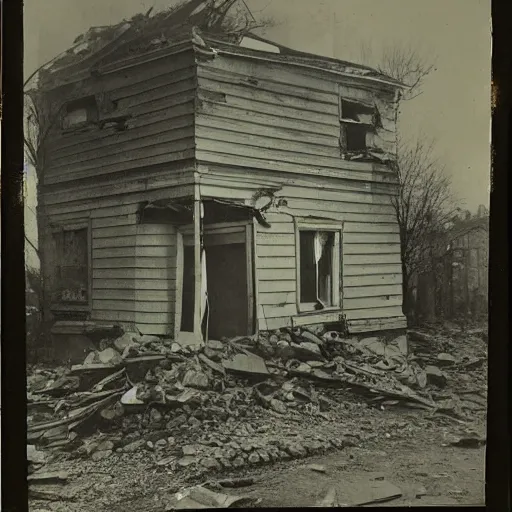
(71, 267)
(318, 269)
(80, 113)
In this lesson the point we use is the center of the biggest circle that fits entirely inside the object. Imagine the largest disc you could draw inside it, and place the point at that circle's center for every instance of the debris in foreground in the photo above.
(201, 497)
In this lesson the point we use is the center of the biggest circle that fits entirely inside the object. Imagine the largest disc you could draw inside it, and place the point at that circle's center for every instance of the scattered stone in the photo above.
(105, 446)
(246, 364)
(189, 450)
(307, 351)
(171, 440)
(195, 379)
(264, 456)
(215, 345)
(254, 458)
(446, 359)
(161, 443)
(91, 358)
(295, 450)
(110, 356)
(284, 350)
(194, 422)
(187, 461)
(150, 446)
(124, 341)
(278, 406)
(135, 446)
(176, 422)
(101, 455)
(155, 416)
(313, 338)
(319, 468)
(210, 463)
(238, 462)
(421, 491)
(435, 376)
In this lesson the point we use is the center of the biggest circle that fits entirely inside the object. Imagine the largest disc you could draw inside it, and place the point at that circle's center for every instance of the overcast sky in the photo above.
(454, 107)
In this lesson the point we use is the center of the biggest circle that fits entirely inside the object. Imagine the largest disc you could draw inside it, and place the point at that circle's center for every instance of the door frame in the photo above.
(233, 233)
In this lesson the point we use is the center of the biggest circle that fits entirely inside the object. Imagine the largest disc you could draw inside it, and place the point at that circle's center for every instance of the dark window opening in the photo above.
(80, 113)
(72, 267)
(355, 137)
(316, 267)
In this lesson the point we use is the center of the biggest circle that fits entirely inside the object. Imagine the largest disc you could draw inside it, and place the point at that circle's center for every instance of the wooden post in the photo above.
(197, 263)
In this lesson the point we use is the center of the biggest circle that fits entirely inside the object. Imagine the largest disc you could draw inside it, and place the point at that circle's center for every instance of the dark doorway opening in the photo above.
(226, 269)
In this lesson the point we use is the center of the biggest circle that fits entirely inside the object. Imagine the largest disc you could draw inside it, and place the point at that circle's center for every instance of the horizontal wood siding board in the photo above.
(131, 316)
(279, 285)
(277, 298)
(127, 282)
(377, 312)
(137, 252)
(207, 106)
(231, 154)
(328, 105)
(276, 239)
(126, 230)
(267, 141)
(105, 144)
(317, 318)
(377, 324)
(182, 83)
(272, 274)
(372, 302)
(128, 241)
(372, 279)
(148, 295)
(273, 251)
(208, 74)
(277, 263)
(216, 115)
(173, 141)
(138, 75)
(137, 306)
(371, 259)
(363, 249)
(269, 72)
(120, 188)
(255, 125)
(271, 324)
(329, 199)
(160, 154)
(353, 292)
(359, 228)
(138, 262)
(352, 205)
(279, 311)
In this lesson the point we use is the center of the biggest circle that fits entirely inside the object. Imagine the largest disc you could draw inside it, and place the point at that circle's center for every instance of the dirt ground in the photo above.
(449, 476)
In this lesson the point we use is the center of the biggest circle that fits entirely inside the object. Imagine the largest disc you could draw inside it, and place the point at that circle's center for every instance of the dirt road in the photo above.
(427, 474)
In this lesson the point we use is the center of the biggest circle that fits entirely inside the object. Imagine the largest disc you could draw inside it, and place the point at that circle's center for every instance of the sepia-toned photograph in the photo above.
(256, 253)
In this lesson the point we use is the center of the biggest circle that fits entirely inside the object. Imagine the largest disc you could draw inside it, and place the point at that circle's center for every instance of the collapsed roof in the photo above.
(223, 24)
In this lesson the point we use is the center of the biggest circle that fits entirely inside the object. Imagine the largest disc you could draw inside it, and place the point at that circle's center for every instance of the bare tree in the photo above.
(424, 203)
(423, 206)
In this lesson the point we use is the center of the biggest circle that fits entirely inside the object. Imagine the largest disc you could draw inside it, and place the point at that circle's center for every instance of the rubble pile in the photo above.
(208, 408)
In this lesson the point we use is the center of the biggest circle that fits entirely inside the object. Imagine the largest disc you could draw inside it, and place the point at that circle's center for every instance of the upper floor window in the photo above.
(80, 113)
(356, 120)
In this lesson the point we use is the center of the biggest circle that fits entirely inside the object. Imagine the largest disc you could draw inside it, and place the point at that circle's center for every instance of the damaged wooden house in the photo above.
(201, 182)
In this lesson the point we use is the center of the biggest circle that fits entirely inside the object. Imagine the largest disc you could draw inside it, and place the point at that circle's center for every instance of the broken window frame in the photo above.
(87, 103)
(62, 305)
(349, 122)
(336, 258)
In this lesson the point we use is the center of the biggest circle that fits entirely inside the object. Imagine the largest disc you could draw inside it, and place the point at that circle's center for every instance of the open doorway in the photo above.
(229, 281)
